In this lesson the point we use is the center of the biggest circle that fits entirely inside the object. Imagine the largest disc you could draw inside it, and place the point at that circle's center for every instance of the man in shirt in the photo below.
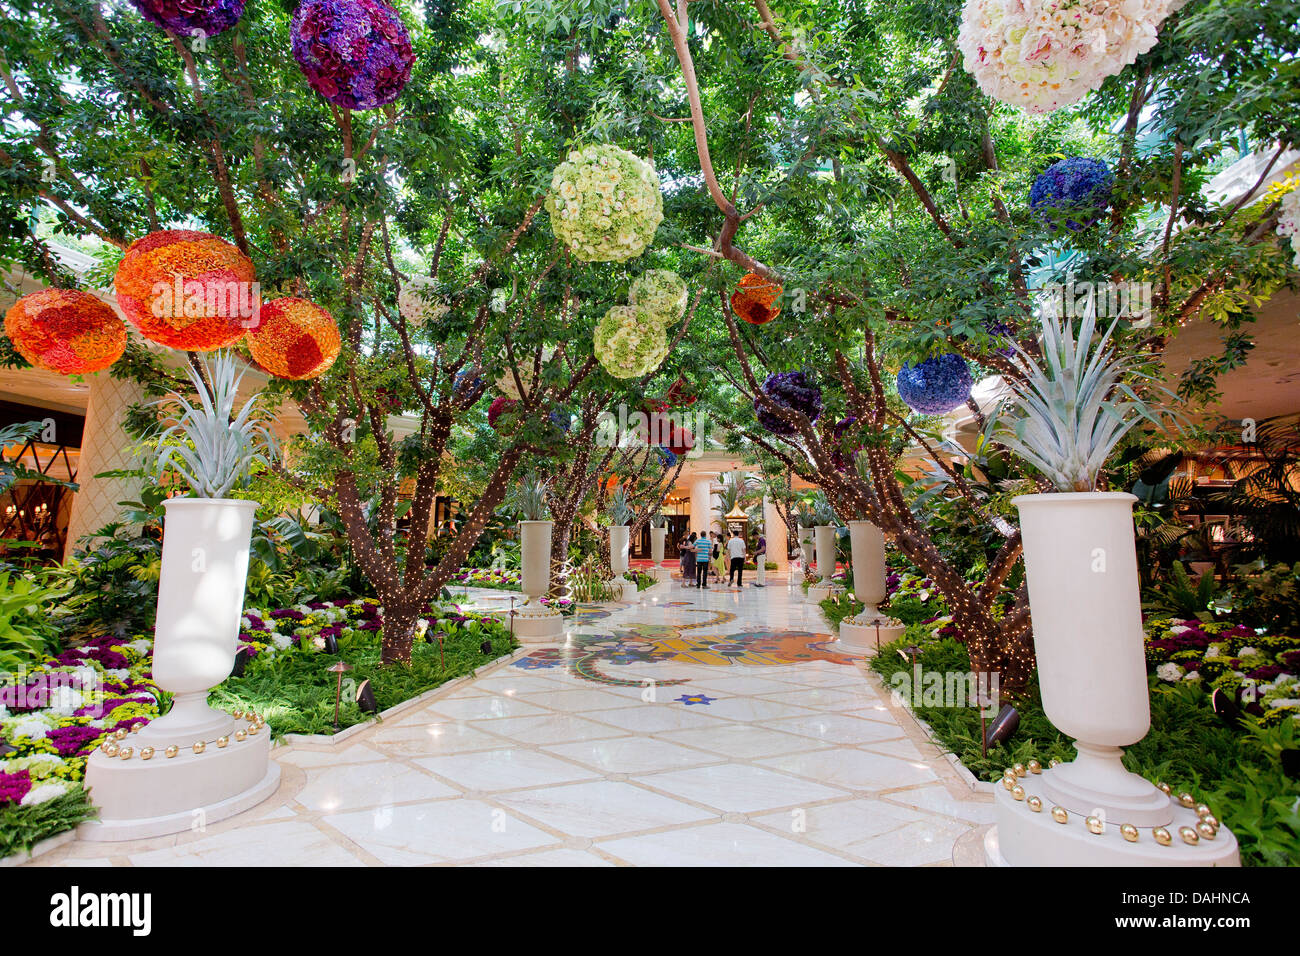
(736, 551)
(703, 552)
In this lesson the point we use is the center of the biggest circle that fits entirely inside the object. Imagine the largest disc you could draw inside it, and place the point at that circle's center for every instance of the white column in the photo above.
(105, 446)
(776, 533)
(701, 504)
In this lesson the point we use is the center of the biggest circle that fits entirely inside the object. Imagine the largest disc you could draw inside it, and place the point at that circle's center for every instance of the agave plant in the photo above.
(1074, 404)
(528, 499)
(620, 508)
(658, 519)
(216, 447)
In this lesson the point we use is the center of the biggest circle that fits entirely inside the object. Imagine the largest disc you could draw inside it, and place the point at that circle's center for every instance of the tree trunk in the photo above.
(399, 632)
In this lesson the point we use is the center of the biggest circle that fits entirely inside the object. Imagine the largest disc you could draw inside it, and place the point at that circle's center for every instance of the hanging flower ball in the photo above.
(188, 18)
(294, 339)
(1288, 223)
(844, 459)
(629, 343)
(187, 289)
(561, 419)
(1078, 187)
(667, 456)
(506, 383)
(65, 331)
(936, 385)
(605, 204)
(499, 405)
(754, 298)
(1043, 56)
(792, 390)
(355, 53)
(418, 303)
(468, 383)
(661, 293)
(663, 427)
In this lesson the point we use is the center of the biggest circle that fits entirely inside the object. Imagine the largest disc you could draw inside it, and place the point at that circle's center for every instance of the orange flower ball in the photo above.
(294, 339)
(65, 331)
(187, 289)
(753, 299)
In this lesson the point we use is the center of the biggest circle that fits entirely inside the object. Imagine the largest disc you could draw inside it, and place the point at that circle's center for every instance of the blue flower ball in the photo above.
(1076, 189)
(667, 456)
(936, 385)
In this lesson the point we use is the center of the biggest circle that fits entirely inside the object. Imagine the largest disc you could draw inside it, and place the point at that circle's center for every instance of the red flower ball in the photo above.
(499, 405)
(187, 289)
(753, 299)
(294, 339)
(65, 331)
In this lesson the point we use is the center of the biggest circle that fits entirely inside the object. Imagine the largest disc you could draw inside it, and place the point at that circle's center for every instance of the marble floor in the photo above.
(691, 728)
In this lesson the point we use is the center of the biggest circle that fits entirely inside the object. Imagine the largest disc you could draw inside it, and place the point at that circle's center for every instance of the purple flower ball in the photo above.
(185, 17)
(355, 53)
(792, 390)
(1078, 186)
(844, 459)
(936, 385)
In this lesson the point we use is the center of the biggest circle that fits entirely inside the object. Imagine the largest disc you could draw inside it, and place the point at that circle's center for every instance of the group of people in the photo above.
(706, 553)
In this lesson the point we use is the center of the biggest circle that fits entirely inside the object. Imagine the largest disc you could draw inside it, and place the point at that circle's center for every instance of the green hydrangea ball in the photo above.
(605, 204)
(629, 342)
(660, 292)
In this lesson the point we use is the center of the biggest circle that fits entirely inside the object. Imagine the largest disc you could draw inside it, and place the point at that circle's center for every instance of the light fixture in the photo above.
(340, 668)
(1004, 725)
(366, 697)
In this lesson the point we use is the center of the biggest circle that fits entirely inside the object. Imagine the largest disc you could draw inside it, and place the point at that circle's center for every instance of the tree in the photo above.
(910, 245)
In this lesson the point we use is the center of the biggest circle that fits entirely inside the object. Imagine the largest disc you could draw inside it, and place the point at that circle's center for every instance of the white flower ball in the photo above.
(660, 292)
(605, 204)
(1043, 56)
(629, 343)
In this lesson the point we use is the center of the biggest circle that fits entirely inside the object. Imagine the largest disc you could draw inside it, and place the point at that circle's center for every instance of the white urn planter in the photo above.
(657, 538)
(1081, 570)
(824, 536)
(534, 623)
(200, 603)
(865, 632)
(618, 562)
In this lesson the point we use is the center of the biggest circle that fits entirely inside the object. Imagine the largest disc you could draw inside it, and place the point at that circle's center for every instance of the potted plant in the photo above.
(1072, 407)
(206, 540)
(620, 513)
(529, 501)
(206, 760)
(658, 534)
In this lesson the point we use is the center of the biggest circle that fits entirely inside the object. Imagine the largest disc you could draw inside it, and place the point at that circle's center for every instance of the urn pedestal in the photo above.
(824, 536)
(1081, 570)
(200, 602)
(624, 590)
(534, 623)
(657, 538)
(865, 632)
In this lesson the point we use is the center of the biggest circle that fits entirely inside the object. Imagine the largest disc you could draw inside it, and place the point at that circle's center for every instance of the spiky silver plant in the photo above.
(528, 499)
(1074, 404)
(207, 444)
(620, 508)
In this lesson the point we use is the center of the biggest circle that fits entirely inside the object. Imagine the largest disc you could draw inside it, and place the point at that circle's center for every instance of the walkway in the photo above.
(694, 728)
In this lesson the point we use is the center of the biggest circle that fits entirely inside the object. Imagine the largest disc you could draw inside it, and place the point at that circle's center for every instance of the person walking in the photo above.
(703, 551)
(719, 557)
(688, 560)
(736, 552)
(760, 563)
